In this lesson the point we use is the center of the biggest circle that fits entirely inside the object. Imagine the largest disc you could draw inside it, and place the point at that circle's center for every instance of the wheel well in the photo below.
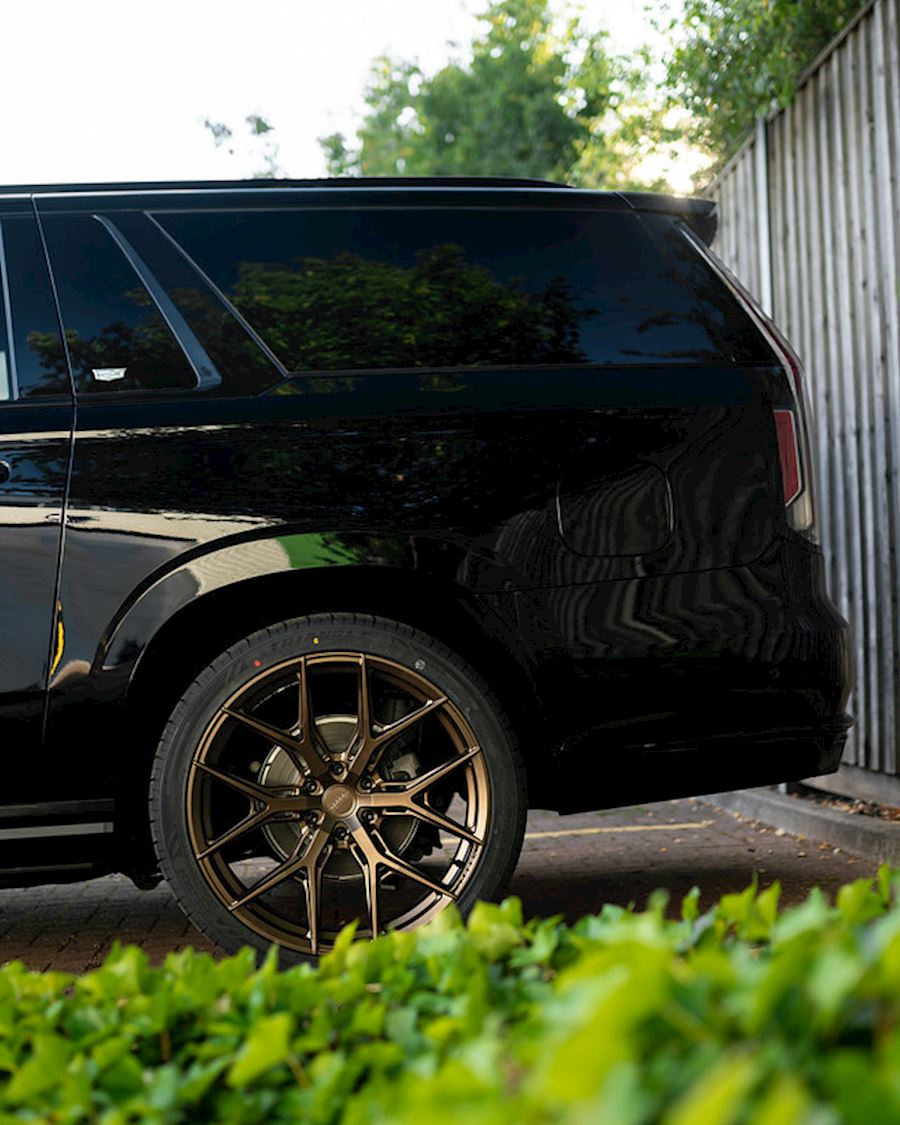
(206, 627)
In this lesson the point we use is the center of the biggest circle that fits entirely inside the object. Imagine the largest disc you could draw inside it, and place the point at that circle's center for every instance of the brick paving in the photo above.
(570, 865)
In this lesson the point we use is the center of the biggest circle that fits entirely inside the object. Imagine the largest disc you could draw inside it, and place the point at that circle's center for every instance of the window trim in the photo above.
(221, 297)
(205, 371)
(11, 370)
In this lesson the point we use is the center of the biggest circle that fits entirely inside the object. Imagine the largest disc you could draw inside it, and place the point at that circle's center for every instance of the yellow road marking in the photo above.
(622, 828)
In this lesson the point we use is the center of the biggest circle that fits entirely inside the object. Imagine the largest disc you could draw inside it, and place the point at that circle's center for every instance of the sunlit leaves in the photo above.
(733, 60)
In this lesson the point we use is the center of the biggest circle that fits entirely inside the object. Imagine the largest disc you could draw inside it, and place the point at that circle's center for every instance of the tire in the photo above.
(327, 764)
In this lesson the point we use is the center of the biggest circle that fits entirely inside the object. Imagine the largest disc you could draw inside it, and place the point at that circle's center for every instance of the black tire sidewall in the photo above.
(306, 636)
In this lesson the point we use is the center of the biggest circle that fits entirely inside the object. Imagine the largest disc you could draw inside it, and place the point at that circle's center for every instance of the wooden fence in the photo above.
(810, 221)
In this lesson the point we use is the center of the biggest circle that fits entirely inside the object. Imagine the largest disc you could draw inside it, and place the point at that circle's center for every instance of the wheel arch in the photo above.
(473, 626)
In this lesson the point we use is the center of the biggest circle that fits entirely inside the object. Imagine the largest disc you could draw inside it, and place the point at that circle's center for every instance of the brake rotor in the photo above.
(335, 733)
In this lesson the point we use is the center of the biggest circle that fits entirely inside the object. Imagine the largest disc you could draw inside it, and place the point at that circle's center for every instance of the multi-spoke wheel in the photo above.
(334, 769)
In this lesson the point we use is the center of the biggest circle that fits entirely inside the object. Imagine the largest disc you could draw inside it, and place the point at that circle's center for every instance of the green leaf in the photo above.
(122, 1078)
(367, 1021)
(267, 1045)
(335, 961)
(858, 901)
(163, 1088)
(198, 1079)
(735, 909)
(717, 1097)
(44, 1069)
(833, 979)
(544, 940)
(784, 1103)
(495, 930)
(886, 881)
(810, 916)
(690, 905)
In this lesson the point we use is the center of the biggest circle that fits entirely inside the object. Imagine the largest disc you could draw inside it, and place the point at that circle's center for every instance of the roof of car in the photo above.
(699, 213)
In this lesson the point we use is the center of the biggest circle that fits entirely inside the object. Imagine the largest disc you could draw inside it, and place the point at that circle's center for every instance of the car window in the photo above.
(409, 288)
(241, 361)
(32, 360)
(116, 334)
(731, 324)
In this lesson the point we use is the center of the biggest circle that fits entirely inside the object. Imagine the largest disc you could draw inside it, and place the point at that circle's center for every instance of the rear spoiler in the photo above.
(701, 215)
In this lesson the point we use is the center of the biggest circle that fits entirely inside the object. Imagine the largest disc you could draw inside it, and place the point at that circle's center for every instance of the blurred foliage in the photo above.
(730, 61)
(259, 139)
(744, 1015)
(534, 96)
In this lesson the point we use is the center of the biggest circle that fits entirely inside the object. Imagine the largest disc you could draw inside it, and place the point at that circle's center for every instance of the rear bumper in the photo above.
(697, 683)
(712, 765)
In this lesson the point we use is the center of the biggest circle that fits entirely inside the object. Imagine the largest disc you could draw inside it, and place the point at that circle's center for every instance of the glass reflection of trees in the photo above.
(349, 312)
(343, 313)
(145, 348)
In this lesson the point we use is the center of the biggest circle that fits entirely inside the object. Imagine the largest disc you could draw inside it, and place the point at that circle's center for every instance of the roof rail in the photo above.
(263, 184)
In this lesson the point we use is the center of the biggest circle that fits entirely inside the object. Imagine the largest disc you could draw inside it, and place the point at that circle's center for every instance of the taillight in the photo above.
(791, 428)
(788, 455)
(793, 447)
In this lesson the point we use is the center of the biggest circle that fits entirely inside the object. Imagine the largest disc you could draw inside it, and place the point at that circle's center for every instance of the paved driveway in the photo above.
(570, 865)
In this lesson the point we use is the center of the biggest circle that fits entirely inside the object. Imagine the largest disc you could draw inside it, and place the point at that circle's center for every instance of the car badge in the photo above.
(108, 374)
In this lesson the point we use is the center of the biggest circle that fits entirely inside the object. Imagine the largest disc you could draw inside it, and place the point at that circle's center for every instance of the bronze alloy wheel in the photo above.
(336, 786)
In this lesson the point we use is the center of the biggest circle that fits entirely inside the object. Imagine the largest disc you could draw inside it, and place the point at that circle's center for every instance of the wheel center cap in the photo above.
(339, 800)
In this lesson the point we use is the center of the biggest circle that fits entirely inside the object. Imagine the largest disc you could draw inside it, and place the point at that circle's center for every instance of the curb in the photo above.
(851, 832)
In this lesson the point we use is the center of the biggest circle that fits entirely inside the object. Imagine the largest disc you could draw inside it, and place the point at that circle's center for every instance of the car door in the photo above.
(36, 419)
(163, 378)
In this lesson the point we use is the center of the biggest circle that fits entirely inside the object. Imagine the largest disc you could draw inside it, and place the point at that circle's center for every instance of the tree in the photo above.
(534, 99)
(261, 143)
(733, 60)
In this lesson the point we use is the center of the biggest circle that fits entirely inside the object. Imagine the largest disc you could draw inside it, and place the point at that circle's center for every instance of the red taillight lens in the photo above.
(788, 454)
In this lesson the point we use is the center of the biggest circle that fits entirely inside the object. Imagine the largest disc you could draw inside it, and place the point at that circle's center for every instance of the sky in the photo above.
(100, 90)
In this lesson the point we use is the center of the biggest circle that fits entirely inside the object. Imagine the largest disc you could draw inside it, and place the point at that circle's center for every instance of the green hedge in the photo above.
(743, 1014)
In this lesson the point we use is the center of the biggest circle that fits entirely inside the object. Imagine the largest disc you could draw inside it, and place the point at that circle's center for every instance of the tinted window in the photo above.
(116, 335)
(350, 289)
(241, 365)
(29, 328)
(740, 338)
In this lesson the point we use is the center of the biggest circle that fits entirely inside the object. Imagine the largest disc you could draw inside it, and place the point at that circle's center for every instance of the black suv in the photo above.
(343, 521)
